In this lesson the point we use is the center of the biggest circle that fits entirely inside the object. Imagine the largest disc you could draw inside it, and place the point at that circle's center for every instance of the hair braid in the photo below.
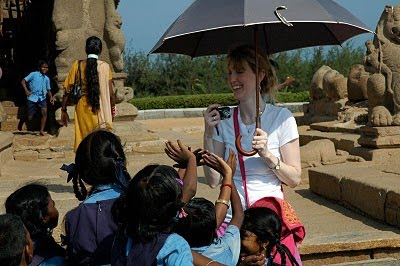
(93, 46)
(92, 83)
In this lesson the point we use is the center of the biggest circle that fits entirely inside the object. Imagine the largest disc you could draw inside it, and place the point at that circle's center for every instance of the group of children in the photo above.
(153, 218)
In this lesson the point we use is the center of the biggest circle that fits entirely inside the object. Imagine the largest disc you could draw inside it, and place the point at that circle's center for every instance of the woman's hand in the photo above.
(218, 164)
(64, 118)
(260, 142)
(180, 154)
(211, 119)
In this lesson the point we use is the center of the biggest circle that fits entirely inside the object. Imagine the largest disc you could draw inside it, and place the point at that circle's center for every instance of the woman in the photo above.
(96, 107)
(260, 176)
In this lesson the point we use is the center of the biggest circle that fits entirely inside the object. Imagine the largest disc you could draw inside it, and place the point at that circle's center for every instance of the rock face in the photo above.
(76, 20)
(383, 62)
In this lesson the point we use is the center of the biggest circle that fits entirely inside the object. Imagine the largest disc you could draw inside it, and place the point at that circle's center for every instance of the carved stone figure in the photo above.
(357, 83)
(383, 62)
(75, 20)
(316, 90)
(328, 91)
(334, 85)
(323, 152)
(319, 152)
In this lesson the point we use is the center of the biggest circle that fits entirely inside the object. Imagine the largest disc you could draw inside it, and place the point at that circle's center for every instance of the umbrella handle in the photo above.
(241, 150)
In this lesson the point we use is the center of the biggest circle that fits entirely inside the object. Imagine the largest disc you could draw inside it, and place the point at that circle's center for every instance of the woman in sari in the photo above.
(96, 108)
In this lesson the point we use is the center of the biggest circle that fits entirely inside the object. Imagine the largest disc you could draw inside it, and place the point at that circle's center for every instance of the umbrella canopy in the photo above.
(211, 27)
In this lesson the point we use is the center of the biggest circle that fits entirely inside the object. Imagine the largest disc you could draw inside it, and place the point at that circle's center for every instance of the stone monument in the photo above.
(74, 21)
(382, 61)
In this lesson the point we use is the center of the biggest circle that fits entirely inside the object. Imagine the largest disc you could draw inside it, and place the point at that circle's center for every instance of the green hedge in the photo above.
(204, 100)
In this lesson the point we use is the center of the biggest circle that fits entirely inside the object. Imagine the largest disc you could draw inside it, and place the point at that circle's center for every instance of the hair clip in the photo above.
(182, 214)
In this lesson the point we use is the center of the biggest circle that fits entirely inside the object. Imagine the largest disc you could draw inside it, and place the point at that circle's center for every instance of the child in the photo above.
(146, 214)
(199, 226)
(34, 205)
(36, 86)
(261, 234)
(16, 247)
(100, 162)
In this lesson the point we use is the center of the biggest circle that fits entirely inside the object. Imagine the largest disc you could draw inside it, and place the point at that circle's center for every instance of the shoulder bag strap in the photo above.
(240, 156)
(79, 71)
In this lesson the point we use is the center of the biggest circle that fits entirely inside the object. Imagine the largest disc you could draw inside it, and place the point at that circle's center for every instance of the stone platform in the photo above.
(334, 234)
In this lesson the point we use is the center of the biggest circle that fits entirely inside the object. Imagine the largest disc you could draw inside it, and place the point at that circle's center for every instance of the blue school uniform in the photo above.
(164, 250)
(90, 228)
(48, 253)
(226, 249)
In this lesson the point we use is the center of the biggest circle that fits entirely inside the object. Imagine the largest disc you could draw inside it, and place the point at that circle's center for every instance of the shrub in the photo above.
(203, 100)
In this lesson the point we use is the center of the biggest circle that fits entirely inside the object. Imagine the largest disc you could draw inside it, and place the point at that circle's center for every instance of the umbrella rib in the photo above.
(329, 30)
(197, 45)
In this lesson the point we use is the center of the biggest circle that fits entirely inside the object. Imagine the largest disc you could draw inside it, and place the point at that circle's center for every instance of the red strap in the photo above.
(240, 156)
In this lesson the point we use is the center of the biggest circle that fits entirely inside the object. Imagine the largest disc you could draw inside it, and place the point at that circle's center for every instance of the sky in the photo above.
(144, 22)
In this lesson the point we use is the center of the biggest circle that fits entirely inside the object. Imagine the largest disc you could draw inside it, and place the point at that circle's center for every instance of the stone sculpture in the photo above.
(383, 62)
(323, 152)
(74, 21)
(328, 91)
(357, 83)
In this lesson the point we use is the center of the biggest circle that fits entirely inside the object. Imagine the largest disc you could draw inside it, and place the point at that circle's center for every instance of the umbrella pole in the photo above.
(257, 118)
(258, 122)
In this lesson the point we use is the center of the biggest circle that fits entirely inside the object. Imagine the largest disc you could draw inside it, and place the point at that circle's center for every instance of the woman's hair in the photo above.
(99, 160)
(267, 226)
(93, 46)
(246, 53)
(200, 224)
(30, 203)
(151, 203)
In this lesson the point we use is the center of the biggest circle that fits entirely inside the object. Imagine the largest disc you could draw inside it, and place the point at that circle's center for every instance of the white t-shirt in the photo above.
(261, 181)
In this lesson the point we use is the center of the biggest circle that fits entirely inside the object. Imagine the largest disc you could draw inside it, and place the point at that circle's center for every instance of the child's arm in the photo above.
(184, 157)
(222, 203)
(200, 260)
(237, 208)
(27, 91)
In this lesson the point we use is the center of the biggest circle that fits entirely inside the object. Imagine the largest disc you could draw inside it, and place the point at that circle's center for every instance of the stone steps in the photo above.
(372, 262)
(373, 189)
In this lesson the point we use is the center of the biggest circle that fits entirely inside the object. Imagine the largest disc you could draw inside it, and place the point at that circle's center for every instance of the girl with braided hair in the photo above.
(34, 205)
(261, 239)
(96, 107)
(99, 177)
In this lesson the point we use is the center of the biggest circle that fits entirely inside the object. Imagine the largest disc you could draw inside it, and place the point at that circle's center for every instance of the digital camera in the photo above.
(224, 112)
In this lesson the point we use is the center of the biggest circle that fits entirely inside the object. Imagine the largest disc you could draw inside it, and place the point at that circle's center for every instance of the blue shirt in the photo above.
(39, 85)
(54, 261)
(225, 249)
(175, 251)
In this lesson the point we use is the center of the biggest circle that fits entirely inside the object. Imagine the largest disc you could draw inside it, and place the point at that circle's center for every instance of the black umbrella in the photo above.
(211, 27)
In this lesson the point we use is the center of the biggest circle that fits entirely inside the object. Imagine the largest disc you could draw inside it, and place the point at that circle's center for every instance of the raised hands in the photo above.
(218, 164)
(180, 153)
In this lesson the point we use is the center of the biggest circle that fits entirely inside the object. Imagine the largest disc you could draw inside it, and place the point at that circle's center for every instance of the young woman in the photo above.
(277, 161)
(96, 107)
